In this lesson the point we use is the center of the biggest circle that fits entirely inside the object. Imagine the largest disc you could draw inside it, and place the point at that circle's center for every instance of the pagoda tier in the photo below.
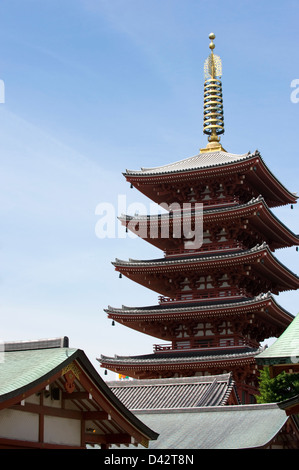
(226, 228)
(246, 273)
(241, 362)
(213, 178)
(237, 323)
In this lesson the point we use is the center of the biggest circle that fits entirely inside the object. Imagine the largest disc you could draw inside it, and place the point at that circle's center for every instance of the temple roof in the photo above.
(213, 165)
(30, 366)
(285, 349)
(181, 260)
(178, 393)
(202, 160)
(221, 427)
(259, 257)
(196, 309)
(169, 358)
(256, 210)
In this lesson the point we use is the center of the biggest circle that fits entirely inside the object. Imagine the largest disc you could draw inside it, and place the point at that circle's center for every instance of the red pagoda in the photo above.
(216, 301)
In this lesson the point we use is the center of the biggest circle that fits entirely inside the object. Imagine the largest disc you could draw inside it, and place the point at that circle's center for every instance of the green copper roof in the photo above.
(21, 369)
(226, 427)
(285, 349)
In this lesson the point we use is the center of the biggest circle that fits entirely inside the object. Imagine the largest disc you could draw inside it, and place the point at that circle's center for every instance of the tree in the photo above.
(279, 388)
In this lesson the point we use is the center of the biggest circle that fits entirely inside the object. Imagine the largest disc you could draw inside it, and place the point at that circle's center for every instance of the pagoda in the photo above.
(216, 290)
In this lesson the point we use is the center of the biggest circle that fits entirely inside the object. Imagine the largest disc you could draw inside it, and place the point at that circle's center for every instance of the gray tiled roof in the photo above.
(182, 357)
(224, 427)
(249, 206)
(192, 308)
(201, 160)
(190, 259)
(173, 393)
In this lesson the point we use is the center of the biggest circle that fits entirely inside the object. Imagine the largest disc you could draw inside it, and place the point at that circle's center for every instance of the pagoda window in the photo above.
(183, 333)
(222, 234)
(192, 195)
(206, 194)
(223, 281)
(204, 329)
(185, 284)
(221, 190)
(226, 329)
(205, 282)
(206, 237)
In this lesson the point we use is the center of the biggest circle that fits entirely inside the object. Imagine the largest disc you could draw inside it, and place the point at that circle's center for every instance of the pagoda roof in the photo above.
(178, 393)
(211, 165)
(171, 359)
(285, 349)
(202, 160)
(199, 310)
(256, 209)
(141, 270)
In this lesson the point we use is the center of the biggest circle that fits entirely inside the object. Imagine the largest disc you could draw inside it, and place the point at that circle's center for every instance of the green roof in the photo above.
(26, 365)
(21, 369)
(285, 349)
(226, 427)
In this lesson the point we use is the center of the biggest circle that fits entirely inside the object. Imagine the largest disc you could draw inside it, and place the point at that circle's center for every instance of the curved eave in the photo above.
(255, 210)
(257, 172)
(201, 161)
(171, 361)
(260, 257)
(263, 303)
(32, 380)
(286, 348)
(108, 400)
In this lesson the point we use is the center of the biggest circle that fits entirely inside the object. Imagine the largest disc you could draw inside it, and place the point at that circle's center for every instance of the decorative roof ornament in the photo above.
(213, 104)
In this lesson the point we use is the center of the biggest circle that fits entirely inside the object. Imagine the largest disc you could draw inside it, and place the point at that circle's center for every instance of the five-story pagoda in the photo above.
(216, 303)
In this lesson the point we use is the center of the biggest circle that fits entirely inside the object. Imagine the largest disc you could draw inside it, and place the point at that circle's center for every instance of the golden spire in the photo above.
(213, 107)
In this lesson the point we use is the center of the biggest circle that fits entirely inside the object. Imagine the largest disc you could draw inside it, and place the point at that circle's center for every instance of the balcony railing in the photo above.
(208, 248)
(212, 294)
(195, 344)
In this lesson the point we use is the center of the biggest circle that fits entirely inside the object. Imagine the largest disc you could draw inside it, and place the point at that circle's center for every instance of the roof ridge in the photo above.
(47, 343)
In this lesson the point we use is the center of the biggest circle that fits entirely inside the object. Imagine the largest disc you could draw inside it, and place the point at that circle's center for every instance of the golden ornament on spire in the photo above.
(213, 105)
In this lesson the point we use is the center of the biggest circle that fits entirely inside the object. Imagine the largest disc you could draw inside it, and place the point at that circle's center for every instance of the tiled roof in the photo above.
(26, 366)
(179, 308)
(204, 355)
(241, 208)
(37, 344)
(202, 160)
(224, 427)
(190, 259)
(285, 348)
(22, 368)
(173, 393)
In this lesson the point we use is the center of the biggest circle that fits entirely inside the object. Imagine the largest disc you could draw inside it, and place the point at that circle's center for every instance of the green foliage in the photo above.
(277, 389)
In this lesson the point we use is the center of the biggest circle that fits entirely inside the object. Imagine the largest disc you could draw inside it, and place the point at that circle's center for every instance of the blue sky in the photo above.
(93, 87)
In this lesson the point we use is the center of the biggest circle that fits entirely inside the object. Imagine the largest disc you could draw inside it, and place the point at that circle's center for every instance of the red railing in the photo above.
(194, 344)
(205, 295)
(221, 201)
(207, 248)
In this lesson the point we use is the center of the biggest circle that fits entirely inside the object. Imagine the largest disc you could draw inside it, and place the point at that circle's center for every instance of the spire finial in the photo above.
(213, 105)
(212, 37)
